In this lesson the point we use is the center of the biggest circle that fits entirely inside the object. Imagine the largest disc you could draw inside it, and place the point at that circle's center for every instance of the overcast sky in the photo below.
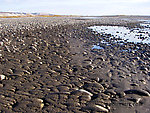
(79, 7)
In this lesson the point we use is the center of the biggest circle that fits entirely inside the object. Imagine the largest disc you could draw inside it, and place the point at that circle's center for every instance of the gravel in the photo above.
(48, 65)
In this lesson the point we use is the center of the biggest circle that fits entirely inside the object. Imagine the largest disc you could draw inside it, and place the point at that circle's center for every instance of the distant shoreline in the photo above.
(21, 15)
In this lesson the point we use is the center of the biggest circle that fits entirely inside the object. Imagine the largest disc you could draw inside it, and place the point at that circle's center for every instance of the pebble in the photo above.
(89, 67)
(97, 79)
(40, 100)
(138, 92)
(101, 58)
(96, 108)
(1, 85)
(143, 68)
(85, 97)
(62, 93)
(121, 94)
(73, 104)
(41, 104)
(138, 100)
(104, 96)
(2, 77)
(63, 88)
(122, 76)
(85, 53)
(109, 74)
(134, 84)
(1, 44)
(135, 100)
(143, 81)
(94, 87)
(129, 75)
(85, 91)
(101, 108)
(110, 91)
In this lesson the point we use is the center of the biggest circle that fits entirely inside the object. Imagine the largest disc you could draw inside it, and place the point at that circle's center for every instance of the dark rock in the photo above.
(96, 108)
(93, 87)
(143, 68)
(138, 92)
(85, 97)
(110, 91)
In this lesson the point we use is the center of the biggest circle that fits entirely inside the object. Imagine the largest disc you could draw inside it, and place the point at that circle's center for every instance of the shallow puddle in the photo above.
(136, 35)
(97, 47)
(146, 23)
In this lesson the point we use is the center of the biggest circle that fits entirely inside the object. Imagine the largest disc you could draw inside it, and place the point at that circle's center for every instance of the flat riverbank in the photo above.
(50, 65)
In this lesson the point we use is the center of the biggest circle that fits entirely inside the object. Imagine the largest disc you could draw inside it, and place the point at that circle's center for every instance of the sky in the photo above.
(78, 7)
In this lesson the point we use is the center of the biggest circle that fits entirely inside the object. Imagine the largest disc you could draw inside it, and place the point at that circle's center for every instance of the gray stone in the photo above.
(85, 91)
(97, 108)
(138, 92)
(85, 97)
(1, 85)
(94, 87)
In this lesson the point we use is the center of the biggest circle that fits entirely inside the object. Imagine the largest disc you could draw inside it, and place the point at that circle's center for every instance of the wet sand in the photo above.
(48, 65)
